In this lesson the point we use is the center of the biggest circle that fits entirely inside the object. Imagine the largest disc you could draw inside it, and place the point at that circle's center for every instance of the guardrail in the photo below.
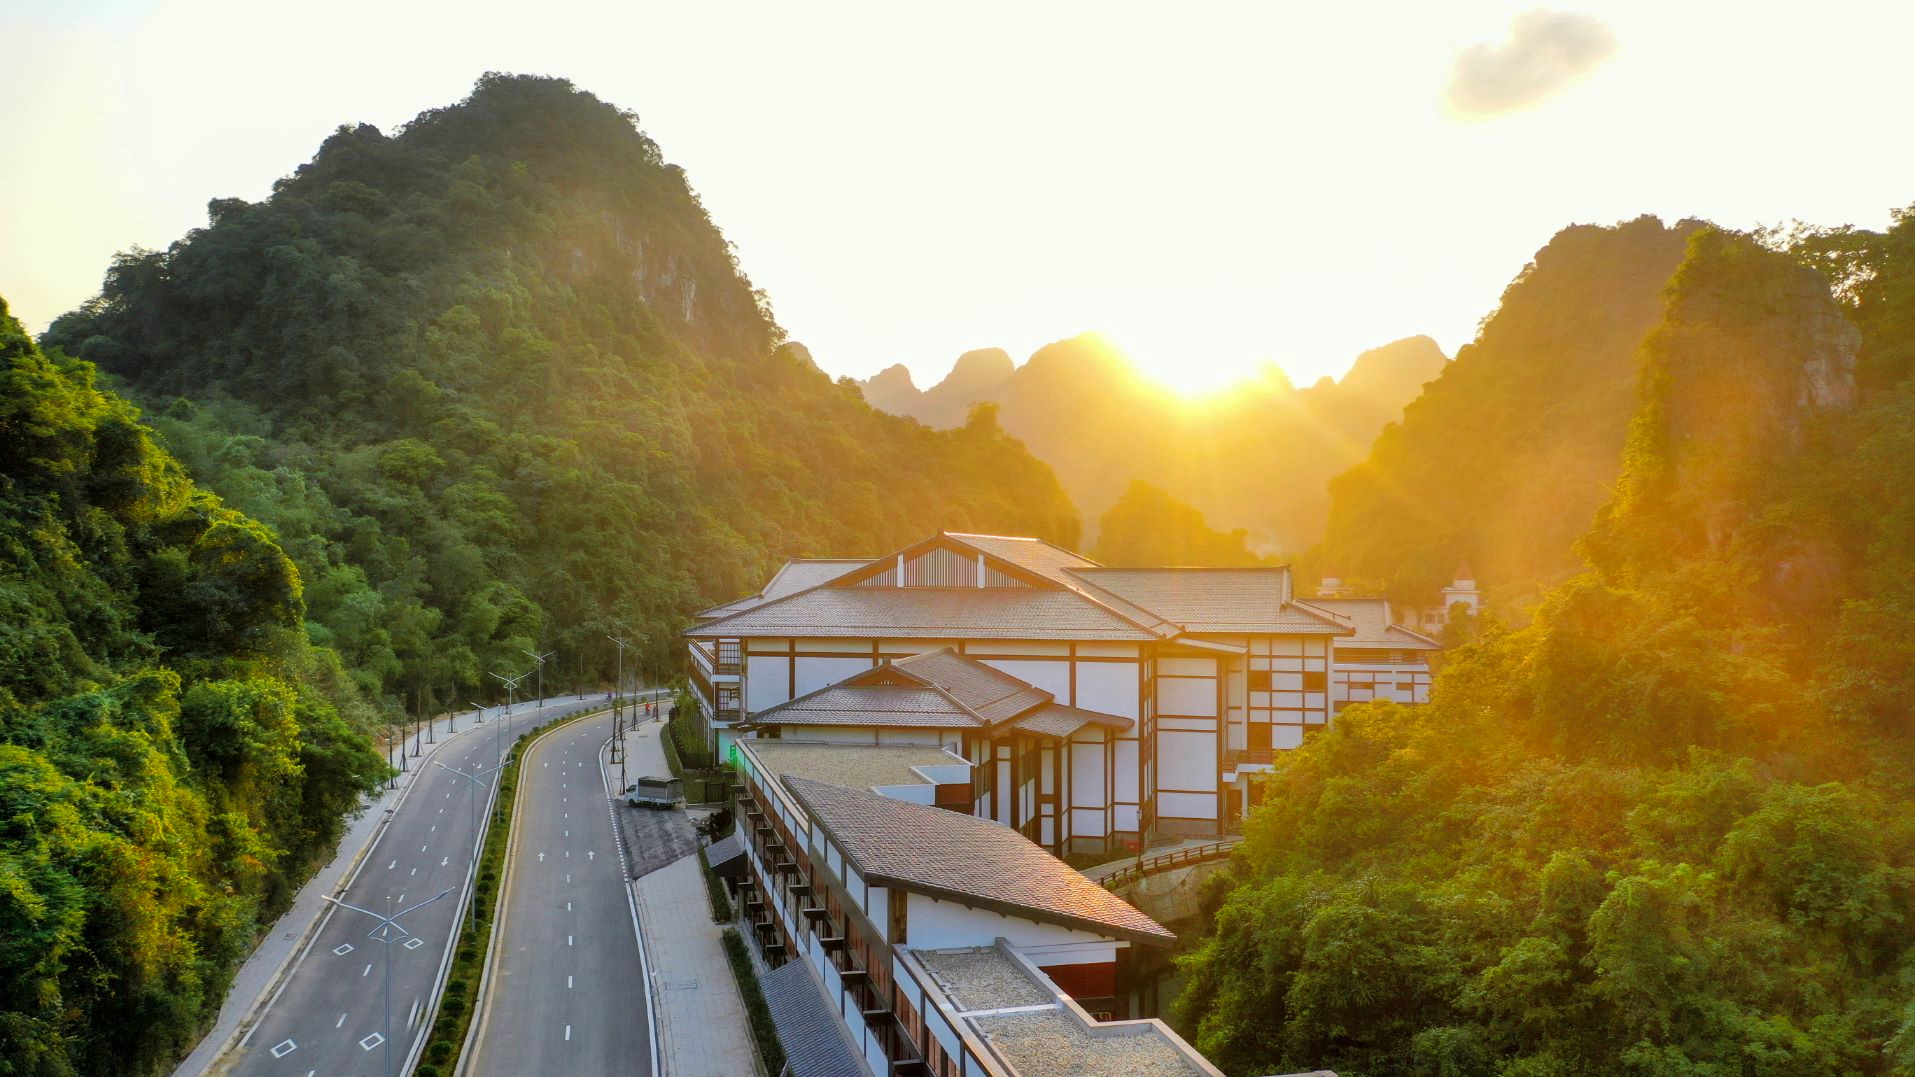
(1170, 861)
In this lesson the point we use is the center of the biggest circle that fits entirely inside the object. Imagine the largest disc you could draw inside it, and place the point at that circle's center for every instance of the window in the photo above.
(1258, 680)
(1313, 681)
(727, 656)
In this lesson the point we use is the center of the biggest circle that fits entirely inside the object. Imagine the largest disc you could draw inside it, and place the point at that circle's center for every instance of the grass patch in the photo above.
(763, 1033)
(714, 892)
(457, 1005)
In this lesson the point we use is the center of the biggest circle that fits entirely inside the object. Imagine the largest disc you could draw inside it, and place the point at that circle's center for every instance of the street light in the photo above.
(473, 785)
(511, 686)
(389, 931)
(540, 659)
(618, 701)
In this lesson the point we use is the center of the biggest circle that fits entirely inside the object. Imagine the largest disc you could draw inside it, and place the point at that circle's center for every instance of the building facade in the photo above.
(1099, 706)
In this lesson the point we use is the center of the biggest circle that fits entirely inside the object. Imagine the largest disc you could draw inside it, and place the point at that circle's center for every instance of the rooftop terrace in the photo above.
(852, 766)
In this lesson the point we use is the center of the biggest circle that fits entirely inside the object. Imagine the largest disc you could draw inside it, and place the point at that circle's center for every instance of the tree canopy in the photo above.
(498, 384)
(173, 752)
(1665, 828)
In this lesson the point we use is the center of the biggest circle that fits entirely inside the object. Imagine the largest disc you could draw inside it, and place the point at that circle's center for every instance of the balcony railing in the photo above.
(1237, 757)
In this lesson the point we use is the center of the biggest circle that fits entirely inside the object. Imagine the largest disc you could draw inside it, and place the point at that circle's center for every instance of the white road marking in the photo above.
(422, 848)
(341, 1021)
(568, 1032)
(568, 983)
(368, 971)
(392, 865)
(284, 1048)
(568, 940)
(444, 860)
(371, 1041)
(415, 871)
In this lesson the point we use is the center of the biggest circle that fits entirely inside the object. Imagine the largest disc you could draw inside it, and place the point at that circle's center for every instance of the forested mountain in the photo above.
(173, 753)
(1503, 460)
(1667, 827)
(497, 382)
(1149, 528)
(1254, 458)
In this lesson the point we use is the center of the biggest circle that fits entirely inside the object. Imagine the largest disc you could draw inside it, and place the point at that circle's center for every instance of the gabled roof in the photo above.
(797, 574)
(939, 689)
(1214, 600)
(1369, 619)
(889, 706)
(1060, 721)
(927, 613)
(994, 696)
(957, 857)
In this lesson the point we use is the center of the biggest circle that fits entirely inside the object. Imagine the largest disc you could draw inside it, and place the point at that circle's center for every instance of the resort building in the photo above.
(1095, 707)
(906, 939)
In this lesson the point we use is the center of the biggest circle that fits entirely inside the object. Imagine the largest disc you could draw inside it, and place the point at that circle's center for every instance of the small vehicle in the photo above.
(659, 794)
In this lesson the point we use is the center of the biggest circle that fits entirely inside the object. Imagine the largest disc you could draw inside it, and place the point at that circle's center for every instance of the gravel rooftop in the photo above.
(850, 766)
(1052, 1044)
(982, 979)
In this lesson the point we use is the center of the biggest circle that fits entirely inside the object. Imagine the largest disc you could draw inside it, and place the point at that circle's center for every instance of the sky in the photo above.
(1211, 185)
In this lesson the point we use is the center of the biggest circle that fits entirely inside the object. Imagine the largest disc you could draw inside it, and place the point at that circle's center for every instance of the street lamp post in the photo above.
(474, 783)
(511, 686)
(540, 659)
(618, 705)
(389, 931)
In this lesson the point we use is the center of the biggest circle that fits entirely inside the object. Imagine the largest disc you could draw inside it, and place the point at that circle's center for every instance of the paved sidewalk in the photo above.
(703, 1030)
(260, 973)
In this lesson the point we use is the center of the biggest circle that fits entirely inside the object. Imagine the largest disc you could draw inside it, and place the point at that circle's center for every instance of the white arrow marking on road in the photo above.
(444, 860)
(541, 858)
(392, 865)
(590, 855)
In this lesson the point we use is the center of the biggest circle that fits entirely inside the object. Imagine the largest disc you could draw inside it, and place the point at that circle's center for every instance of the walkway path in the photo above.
(703, 1030)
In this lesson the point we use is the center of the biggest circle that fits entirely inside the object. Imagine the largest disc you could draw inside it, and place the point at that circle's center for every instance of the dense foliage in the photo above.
(1504, 458)
(1666, 828)
(1147, 527)
(497, 383)
(173, 753)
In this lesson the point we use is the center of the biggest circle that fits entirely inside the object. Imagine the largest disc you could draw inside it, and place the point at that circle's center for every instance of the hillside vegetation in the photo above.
(1504, 459)
(497, 383)
(173, 753)
(1666, 828)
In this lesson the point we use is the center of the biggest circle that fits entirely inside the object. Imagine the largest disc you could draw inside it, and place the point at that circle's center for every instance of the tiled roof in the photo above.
(1030, 554)
(992, 695)
(1370, 617)
(793, 576)
(1058, 720)
(870, 705)
(928, 612)
(809, 1027)
(949, 855)
(1213, 600)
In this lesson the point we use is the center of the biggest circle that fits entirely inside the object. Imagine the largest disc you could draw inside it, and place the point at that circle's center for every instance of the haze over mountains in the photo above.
(1256, 456)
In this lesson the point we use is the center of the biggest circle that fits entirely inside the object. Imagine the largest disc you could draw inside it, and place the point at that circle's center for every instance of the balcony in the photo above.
(1239, 758)
(815, 912)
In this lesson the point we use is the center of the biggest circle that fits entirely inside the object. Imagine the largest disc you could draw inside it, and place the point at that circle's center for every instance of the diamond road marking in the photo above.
(342, 949)
(414, 943)
(285, 1048)
(371, 1041)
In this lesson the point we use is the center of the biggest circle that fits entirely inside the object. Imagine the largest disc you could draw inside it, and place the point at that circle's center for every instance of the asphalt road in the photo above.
(567, 989)
(329, 1015)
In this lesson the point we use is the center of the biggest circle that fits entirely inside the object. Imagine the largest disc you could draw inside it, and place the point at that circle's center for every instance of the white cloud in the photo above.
(1545, 51)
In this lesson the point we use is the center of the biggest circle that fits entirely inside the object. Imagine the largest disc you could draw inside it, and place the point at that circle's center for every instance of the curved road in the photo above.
(566, 992)
(328, 1015)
